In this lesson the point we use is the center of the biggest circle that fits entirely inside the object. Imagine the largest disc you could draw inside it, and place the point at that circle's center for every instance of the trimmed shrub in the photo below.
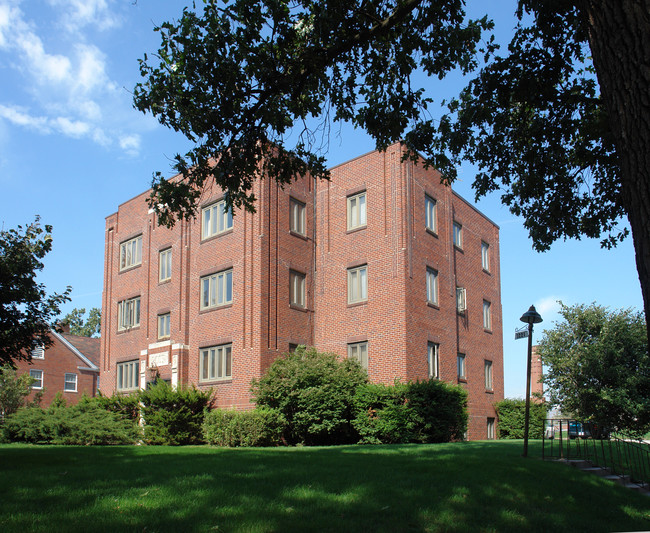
(173, 416)
(125, 405)
(512, 413)
(315, 393)
(257, 427)
(421, 411)
(86, 423)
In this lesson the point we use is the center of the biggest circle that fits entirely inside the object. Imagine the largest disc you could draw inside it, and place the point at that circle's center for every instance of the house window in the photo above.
(216, 362)
(216, 218)
(164, 322)
(357, 211)
(297, 217)
(297, 288)
(488, 375)
(432, 286)
(128, 313)
(461, 299)
(127, 375)
(292, 347)
(458, 235)
(70, 383)
(433, 360)
(359, 351)
(216, 289)
(490, 428)
(430, 214)
(358, 284)
(38, 376)
(485, 256)
(131, 253)
(487, 315)
(38, 352)
(461, 366)
(165, 262)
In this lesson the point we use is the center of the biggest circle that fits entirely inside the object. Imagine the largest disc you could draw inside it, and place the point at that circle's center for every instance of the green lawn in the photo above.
(477, 486)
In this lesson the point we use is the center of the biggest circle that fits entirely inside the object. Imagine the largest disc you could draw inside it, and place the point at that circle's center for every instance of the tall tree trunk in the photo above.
(619, 37)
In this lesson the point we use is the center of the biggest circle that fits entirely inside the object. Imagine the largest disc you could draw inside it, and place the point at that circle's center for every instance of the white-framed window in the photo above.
(215, 362)
(216, 289)
(357, 211)
(297, 288)
(215, 219)
(128, 313)
(430, 214)
(461, 299)
(433, 360)
(38, 352)
(490, 428)
(487, 314)
(461, 366)
(359, 351)
(164, 325)
(38, 376)
(358, 284)
(131, 253)
(127, 375)
(165, 262)
(485, 256)
(70, 382)
(432, 286)
(458, 235)
(297, 216)
(488, 374)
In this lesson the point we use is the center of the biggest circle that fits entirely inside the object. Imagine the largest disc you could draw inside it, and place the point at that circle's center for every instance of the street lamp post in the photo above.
(530, 317)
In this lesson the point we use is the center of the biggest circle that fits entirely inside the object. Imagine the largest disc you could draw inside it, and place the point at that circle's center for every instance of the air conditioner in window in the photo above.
(461, 299)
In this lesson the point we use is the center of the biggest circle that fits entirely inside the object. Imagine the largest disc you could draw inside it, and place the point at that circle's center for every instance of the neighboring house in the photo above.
(70, 366)
(382, 263)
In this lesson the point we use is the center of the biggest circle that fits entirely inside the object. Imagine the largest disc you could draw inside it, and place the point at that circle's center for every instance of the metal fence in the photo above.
(567, 439)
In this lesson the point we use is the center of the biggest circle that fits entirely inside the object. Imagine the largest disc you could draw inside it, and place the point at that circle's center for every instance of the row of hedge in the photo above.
(306, 398)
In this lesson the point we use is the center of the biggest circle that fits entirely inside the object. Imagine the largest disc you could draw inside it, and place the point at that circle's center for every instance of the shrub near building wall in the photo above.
(257, 427)
(511, 414)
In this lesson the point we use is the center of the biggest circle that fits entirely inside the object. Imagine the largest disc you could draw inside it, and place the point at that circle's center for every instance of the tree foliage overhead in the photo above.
(242, 77)
(599, 367)
(26, 311)
(84, 327)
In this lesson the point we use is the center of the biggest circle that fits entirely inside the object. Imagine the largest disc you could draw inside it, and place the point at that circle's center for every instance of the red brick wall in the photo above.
(396, 321)
(57, 361)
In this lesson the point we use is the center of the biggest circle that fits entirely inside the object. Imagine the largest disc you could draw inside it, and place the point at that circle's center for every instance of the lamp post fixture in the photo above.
(530, 317)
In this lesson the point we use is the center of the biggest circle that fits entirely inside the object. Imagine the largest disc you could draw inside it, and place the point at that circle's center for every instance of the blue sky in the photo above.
(72, 148)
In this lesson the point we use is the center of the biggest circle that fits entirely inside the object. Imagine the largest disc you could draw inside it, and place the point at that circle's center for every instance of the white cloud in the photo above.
(19, 117)
(548, 306)
(77, 14)
(72, 128)
(130, 144)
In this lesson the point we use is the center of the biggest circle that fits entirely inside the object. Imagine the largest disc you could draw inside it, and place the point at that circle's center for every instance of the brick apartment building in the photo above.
(382, 263)
(69, 366)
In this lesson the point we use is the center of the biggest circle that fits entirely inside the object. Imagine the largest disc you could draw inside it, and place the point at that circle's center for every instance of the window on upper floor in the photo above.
(487, 314)
(431, 214)
(357, 211)
(128, 313)
(458, 235)
(131, 253)
(297, 288)
(432, 286)
(358, 284)
(461, 299)
(216, 289)
(488, 374)
(164, 325)
(433, 360)
(165, 263)
(485, 256)
(38, 352)
(127, 375)
(215, 219)
(359, 351)
(461, 366)
(215, 362)
(36, 375)
(70, 382)
(297, 217)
